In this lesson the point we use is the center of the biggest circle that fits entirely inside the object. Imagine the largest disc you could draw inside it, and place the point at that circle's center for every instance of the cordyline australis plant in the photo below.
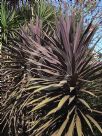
(48, 78)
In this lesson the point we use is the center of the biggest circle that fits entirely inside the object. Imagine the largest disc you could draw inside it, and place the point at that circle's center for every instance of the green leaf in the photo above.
(12, 16)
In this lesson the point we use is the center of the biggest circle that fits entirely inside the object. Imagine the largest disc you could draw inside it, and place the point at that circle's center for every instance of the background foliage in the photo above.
(23, 107)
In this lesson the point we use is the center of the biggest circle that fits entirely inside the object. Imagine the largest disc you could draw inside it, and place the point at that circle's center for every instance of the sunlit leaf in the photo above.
(88, 92)
(85, 103)
(60, 104)
(87, 121)
(44, 102)
(79, 126)
(70, 131)
(63, 126)
(94, 122)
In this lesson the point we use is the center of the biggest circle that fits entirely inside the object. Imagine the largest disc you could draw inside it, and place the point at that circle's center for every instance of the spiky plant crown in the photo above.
(49, 78)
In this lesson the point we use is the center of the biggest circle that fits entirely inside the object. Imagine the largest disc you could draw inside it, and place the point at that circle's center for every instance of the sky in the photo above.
(98, 34)
(99, 8)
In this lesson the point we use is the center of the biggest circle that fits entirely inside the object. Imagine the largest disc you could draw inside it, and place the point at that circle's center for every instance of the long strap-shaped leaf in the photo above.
(61, 103)
(94, 122)
(44, 102)
(63, 126)
(87, 121)
(79, 126)
(71, 128)
(41, 129)
(88, 92)
(85, 103)
(78, 34)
